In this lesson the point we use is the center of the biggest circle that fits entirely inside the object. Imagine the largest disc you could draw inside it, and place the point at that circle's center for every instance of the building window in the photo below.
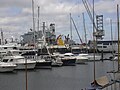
(5, 47)
(99, 46)
(104, 46)
(106, 43)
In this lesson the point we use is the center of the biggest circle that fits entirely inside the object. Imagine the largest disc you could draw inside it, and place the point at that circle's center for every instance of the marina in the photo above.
(47, 45)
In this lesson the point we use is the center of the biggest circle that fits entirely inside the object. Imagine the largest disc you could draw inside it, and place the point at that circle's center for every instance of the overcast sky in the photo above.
(16, 16)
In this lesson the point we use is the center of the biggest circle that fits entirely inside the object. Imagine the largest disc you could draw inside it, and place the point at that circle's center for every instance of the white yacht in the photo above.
(68, 59)
(87, 57)
(7, 67)
(81, 58)
(7, 47)
(20, 61)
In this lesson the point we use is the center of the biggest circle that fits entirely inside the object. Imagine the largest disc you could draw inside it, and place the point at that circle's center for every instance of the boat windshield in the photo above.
(5, 60)
(68, 55)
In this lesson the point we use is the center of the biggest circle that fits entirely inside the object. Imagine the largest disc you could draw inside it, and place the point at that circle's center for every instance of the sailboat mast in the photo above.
(44, 33)
(111, 36)
(33, 23)
(71, 30)
(84, 30)
(2, 39)
(70, 26)
(38, 16)
(112, 41)
(118, 37)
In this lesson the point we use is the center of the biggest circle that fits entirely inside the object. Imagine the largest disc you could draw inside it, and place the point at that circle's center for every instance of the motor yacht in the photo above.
(20, 61)
(68, 59)
(7, 67)
(81, 58)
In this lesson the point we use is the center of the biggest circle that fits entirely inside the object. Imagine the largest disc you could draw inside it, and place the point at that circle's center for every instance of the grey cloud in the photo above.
(55, 11)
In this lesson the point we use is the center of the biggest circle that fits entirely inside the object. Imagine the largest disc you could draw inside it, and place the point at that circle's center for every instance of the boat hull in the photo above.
(81, 61)
(57, 64)
(23, 66)
(69, 62)
(7, 69)
(43, 65)
(92, 58)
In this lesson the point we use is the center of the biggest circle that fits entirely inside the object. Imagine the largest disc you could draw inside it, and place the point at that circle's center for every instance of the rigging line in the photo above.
(90, 6)
(73, 6)
(76, 30)
(89, 12)
(87, 8)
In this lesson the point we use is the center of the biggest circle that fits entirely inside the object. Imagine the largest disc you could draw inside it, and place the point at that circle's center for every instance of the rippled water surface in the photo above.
(58, 78)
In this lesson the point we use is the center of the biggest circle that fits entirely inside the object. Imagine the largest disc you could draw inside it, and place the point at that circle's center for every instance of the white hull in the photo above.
(23, 66)
(81, 58)
(7, 68)
(86, 57)
(20, 61)
(91, 57)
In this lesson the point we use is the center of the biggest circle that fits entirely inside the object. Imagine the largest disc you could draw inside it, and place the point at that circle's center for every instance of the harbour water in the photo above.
(57, 78)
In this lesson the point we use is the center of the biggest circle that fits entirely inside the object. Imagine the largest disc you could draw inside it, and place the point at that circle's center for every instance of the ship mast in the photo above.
(70, 26)
(33, 23)
(118, 38)
(2, 39)
(94, 44)
(85, 31)
(38, 17)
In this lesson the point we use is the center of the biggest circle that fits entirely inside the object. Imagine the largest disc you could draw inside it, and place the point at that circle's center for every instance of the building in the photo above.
(28, 38)
(105, 46)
